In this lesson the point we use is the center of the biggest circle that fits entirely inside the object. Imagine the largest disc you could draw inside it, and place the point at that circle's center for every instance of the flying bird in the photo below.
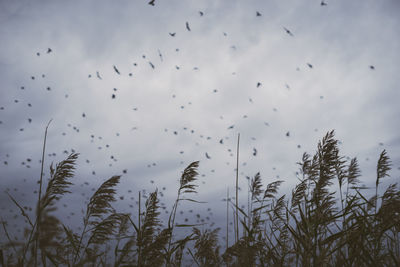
(258, 84)
(116, 70)
(160, 55)
(151, 65)
(187, 26)
(258, 14)
(288, 134)
(49, 50)
(152, 2)
(172, 34)
(208, 156)
(254, 151)
(231, 127)
(288, 31)
(98, 75)
(372, 67)
(309, 65)
(323, 3)
(221, 141)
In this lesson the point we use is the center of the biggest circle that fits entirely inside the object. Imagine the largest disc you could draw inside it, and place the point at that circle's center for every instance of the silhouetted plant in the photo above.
(314, 226)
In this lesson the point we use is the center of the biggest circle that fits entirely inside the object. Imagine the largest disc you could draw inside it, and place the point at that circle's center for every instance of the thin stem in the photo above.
(227, 218)
(237, 181)
(40, 194)
(139, 234)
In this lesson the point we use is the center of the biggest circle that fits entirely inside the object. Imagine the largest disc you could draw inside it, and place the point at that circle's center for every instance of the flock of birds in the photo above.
(104, 145)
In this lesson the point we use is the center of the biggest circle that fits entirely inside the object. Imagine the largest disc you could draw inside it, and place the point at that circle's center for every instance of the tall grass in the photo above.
(313, 226)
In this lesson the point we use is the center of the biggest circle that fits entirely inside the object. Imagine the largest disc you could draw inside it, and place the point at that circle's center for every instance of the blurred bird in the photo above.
(372, 67)
(172, 34)
(254, 151)
(116, 70)
(288, 31)
(201, 13)
(258, 84)
(49, 50)
(258, 14)
(98, 75)
(323, 3)
(187, 26)
(309, 65)
(288, 134)
(208, 156)
(160, 55)
(152, 2)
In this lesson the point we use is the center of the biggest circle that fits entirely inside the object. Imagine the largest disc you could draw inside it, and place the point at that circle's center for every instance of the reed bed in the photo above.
(318, 224)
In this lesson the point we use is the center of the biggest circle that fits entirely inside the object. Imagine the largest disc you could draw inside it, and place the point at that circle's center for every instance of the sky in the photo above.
(142, 91)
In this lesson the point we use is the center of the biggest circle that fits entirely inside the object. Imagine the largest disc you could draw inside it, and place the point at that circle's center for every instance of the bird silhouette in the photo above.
(309, 65)
(323, 3)
(116, 70)
(258, 84)
(151, 65)
(201, 13)
(288, 31)
(152, 2)
(98, 75)
(208, 156)
(372, 67)
(160, 55)
(258, 14)
(187, 26)
(172, 34)
(49, 50)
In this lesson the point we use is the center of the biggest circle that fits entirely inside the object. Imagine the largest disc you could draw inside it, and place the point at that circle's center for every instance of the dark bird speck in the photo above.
(288, 31)
(116, 70)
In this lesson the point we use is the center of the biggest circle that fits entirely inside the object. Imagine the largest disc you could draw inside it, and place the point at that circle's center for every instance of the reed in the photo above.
(313, 226)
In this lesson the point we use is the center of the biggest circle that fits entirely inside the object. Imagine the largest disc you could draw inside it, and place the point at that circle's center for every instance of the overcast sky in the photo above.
(281, 79)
